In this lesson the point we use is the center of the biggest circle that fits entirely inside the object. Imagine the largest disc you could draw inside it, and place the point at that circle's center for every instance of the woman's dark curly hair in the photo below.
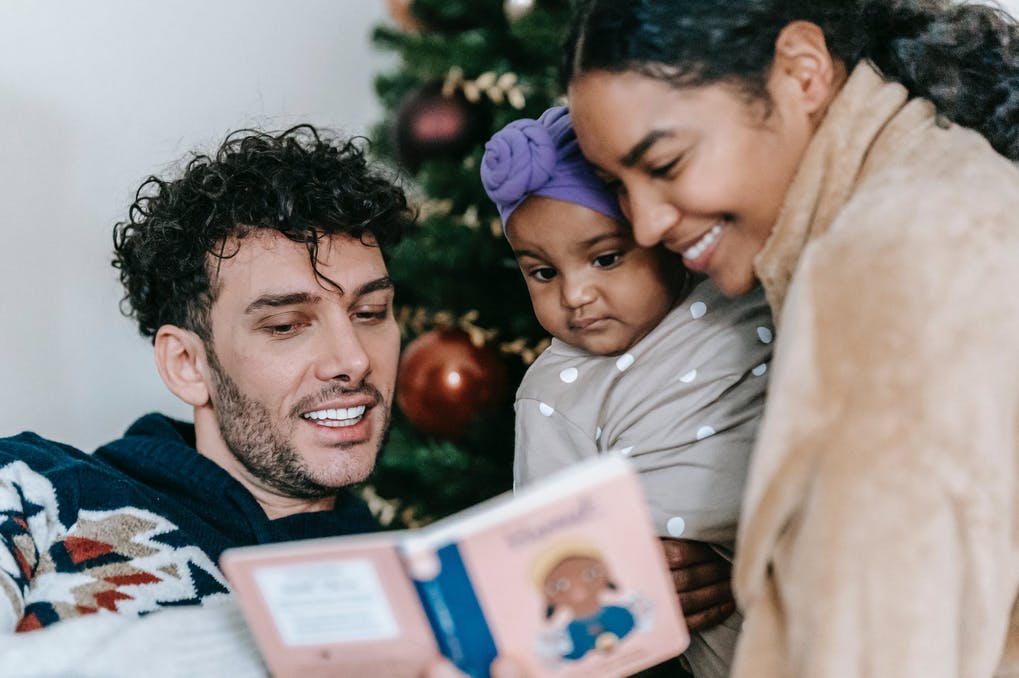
(297, 182)
(962, 57)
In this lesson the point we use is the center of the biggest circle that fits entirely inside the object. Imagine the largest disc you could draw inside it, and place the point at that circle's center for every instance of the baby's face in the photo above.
(590, 284)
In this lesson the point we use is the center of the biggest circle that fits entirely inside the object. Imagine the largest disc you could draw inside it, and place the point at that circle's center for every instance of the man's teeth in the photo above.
(708, 239)
(338, 417)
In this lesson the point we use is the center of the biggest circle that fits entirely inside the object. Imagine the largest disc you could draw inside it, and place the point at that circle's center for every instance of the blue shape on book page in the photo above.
(456, 616)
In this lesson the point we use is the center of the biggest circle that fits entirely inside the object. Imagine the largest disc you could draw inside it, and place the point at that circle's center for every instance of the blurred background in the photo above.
(97, 95)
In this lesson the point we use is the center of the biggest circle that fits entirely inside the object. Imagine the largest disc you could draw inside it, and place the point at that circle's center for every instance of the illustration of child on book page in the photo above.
(585, 609)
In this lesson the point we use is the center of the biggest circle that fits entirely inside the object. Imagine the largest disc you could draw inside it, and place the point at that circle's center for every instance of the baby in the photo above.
(646, 360)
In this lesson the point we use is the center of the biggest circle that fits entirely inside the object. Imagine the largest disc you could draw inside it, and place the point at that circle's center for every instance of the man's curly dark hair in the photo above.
(298, 182)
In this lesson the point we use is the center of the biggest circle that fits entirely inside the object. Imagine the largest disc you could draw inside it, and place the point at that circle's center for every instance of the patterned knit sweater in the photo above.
(136, 526)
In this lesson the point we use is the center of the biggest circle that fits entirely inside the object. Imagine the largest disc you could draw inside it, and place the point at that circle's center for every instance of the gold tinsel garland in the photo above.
(417, 320)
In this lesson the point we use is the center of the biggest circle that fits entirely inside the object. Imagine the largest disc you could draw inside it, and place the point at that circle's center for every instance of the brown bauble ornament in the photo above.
(445, 381)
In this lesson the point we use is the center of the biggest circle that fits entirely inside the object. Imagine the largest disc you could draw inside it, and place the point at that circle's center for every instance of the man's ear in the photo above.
(804, 67)
(183, 364)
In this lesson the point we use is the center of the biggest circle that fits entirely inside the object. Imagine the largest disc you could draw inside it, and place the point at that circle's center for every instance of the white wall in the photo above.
(94, 96)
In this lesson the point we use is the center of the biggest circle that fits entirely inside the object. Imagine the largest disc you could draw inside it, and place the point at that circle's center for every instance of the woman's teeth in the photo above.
(706, 241)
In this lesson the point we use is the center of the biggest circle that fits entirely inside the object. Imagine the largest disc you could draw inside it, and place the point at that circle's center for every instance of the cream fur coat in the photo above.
(880, 532)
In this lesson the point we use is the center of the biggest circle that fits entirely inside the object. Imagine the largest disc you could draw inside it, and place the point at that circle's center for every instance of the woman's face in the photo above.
(702, 169)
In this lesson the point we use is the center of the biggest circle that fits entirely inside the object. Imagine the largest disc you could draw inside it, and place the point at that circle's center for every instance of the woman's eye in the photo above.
(607, 260)
(664, 170)
(543, 274)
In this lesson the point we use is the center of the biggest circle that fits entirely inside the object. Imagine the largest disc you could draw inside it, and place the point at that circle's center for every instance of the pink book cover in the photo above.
(567, 577)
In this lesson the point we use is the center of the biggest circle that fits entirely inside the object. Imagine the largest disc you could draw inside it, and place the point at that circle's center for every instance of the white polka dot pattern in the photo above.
(765, 335)
(569, 375)
(676, 526)
(705, 432)
(689, 377)
(624, 361)
(698, 309)
(546, 409)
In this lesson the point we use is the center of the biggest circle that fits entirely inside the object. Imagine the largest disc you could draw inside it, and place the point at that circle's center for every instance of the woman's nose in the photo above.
(650, 216)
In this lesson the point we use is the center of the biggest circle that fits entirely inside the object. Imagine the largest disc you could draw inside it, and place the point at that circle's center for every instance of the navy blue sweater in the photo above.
(138, 525)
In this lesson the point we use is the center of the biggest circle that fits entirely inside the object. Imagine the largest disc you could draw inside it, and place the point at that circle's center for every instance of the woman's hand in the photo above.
(703, 581)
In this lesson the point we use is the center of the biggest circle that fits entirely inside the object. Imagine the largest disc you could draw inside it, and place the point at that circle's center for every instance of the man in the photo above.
(259, 276)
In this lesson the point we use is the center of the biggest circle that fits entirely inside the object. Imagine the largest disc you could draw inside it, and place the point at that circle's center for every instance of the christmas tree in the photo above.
(466, 69)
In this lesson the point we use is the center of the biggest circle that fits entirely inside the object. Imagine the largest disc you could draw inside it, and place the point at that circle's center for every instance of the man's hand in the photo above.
(703, 581)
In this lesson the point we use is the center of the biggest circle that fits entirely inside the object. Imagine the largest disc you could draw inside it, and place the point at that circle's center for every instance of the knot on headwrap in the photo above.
(518, 160)
(541, 157)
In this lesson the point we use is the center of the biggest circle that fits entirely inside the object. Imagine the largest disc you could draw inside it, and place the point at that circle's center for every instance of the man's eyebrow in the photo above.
(384, 283)
(298, 298)
(642, 146)
(279, 300)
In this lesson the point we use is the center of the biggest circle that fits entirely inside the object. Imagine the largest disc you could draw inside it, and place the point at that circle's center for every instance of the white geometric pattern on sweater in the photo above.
(134, 571)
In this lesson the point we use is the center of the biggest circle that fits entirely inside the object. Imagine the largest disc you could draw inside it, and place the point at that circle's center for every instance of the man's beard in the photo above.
(253, 439)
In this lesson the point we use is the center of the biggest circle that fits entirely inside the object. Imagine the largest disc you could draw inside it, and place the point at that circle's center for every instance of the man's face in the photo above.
(302, 374)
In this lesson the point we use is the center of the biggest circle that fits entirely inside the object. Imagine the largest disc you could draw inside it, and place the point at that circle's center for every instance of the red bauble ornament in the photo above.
(445, 381)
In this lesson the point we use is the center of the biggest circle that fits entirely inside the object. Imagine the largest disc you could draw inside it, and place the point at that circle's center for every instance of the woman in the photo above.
(821, 149)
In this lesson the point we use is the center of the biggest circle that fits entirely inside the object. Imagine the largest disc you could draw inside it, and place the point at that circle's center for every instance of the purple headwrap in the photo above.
(541, 157)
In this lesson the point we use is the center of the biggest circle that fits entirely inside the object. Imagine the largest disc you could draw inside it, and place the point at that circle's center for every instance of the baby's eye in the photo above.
(607, 260)
(543, 274)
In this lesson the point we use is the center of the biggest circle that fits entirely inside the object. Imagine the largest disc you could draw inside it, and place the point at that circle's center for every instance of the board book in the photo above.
(566, 576)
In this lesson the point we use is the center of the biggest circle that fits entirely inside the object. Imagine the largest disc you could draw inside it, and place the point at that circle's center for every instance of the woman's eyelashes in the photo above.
(664, 171)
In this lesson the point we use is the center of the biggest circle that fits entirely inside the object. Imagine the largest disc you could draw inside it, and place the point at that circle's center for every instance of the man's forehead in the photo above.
(265, 260)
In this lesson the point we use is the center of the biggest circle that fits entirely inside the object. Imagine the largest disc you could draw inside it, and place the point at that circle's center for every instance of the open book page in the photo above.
(326, 606)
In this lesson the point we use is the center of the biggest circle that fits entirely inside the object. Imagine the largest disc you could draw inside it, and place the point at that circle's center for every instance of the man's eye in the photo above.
(607, 260)
(282, 330)
(543, 274)
(372, 316)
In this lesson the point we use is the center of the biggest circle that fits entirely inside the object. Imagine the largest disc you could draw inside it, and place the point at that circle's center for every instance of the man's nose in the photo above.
(342, 354)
